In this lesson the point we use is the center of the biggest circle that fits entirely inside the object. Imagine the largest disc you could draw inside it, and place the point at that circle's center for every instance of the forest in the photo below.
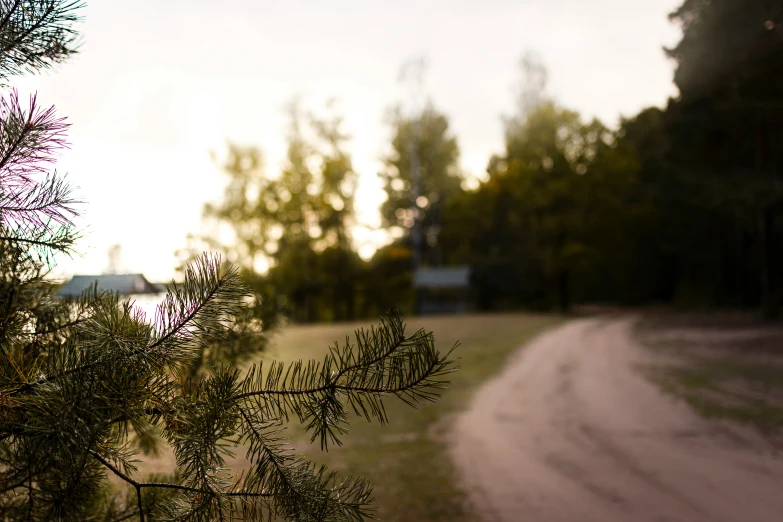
(676, 205)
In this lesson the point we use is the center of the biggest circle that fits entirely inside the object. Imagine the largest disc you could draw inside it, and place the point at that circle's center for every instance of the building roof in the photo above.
(451, 277)
(124, 284)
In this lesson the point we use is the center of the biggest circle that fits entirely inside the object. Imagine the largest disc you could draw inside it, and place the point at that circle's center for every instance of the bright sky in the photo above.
(159, 84)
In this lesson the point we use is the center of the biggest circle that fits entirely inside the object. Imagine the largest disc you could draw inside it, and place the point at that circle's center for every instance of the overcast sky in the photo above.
(158, 84)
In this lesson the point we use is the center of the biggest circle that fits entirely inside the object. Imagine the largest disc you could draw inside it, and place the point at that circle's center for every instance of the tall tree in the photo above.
(88, 387)
(299, 222)
(550, 181)
(426, 135)
(726, 128)
(641, 216)
(336, 217)
(529, 225)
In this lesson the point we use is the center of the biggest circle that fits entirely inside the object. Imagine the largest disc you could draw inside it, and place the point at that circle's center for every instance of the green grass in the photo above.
(407, 459)
(729, 389)
(719, 382)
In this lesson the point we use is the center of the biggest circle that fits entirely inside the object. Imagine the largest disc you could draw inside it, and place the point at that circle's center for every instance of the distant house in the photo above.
(124, 284)
(442, 290)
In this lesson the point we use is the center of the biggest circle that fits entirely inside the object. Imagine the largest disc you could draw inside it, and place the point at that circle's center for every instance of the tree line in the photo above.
(679, 204)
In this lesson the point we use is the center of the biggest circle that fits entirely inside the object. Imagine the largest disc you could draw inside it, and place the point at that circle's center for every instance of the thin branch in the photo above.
(44, 380)
(141, 507)
(150, 346)
(169, 485)
(396, 346)
(398, 389)
(326, 387)
(14, 146)
(42, 206)
(9, 14)
(153, 345)
(14, 486)
(116, 471)
(268, 451)
(190, 317)
(36, 242)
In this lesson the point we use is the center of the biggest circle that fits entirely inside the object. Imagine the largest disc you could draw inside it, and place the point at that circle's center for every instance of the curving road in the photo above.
(570, 432)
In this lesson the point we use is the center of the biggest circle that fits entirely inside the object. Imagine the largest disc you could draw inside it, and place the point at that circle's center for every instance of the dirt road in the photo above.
(572, 432)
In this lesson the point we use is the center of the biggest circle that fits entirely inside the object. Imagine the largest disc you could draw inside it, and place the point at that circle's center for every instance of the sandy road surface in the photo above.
(571, 432)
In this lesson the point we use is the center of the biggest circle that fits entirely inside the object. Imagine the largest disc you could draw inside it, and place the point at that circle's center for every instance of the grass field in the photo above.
(407, 459)
(726, 367)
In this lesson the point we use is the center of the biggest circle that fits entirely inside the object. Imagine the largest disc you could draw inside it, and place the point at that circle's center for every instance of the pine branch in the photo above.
(115, 370)
(86, 385)
(35, 34)
(44, 244)
(29, 139)
(166, 485)
(206, 300)
(34, 214)
(198, 450)
(384, 362)
(45, 204)
(311, 391)
(19, 484)
(300, 492)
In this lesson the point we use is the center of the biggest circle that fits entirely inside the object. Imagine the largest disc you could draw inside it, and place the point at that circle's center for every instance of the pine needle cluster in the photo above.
(90, 386)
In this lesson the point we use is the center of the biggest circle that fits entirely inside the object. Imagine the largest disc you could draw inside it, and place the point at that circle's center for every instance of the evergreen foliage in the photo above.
(88, 387)
(725, 132)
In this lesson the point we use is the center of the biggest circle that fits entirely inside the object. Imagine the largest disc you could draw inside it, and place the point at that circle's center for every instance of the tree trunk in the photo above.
(350, 313)
(337, 300)
(769, 305)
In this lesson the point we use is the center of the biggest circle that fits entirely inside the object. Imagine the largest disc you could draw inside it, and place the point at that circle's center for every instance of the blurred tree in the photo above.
(87, 387)
(254, 324)
(544, 198)
(641, 215)
(683, 204)
(387, 281)
(335, 210)
(298, 223)
(725, 128)
(528, 228)
(249, 204)
(437, 155)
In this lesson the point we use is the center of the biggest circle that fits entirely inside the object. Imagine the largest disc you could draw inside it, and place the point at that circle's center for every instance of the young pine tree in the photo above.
(88, 387)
